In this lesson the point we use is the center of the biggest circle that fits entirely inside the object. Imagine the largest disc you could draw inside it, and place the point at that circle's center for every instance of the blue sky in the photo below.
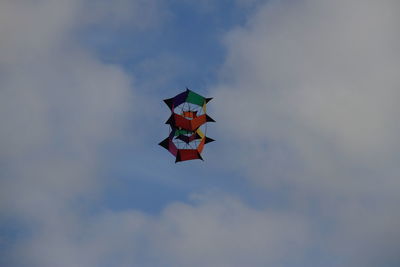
(304, 171)
(191, 35)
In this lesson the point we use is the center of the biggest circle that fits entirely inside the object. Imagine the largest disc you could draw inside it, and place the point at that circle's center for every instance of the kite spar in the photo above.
(188, 126)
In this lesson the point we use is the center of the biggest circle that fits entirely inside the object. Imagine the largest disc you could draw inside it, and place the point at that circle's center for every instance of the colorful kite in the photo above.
(188, 123)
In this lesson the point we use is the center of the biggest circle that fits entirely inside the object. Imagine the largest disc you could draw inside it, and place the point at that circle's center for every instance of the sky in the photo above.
(304, 172)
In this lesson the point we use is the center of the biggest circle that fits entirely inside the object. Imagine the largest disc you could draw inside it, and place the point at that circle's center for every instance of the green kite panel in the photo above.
(195, 98)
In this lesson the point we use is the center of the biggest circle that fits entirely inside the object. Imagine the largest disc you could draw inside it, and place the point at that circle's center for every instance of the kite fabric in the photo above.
(188, 126)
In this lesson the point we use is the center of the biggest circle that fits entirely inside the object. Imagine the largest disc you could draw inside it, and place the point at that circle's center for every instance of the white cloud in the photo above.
(225, 232)
(309, 102)
(317, 77)
(58, 106)
(213, 231)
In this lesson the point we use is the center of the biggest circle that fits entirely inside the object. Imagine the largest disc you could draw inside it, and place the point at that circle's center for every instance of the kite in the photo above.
(188, 126)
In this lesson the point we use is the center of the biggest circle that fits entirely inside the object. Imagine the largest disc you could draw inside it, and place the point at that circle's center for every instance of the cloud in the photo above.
(211, 231)
(225, 232)
(320, 90)
(309, 101)
(58, 103)
(59, 106)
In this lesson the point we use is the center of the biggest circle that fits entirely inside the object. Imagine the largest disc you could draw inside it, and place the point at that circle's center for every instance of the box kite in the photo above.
(188, 126)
